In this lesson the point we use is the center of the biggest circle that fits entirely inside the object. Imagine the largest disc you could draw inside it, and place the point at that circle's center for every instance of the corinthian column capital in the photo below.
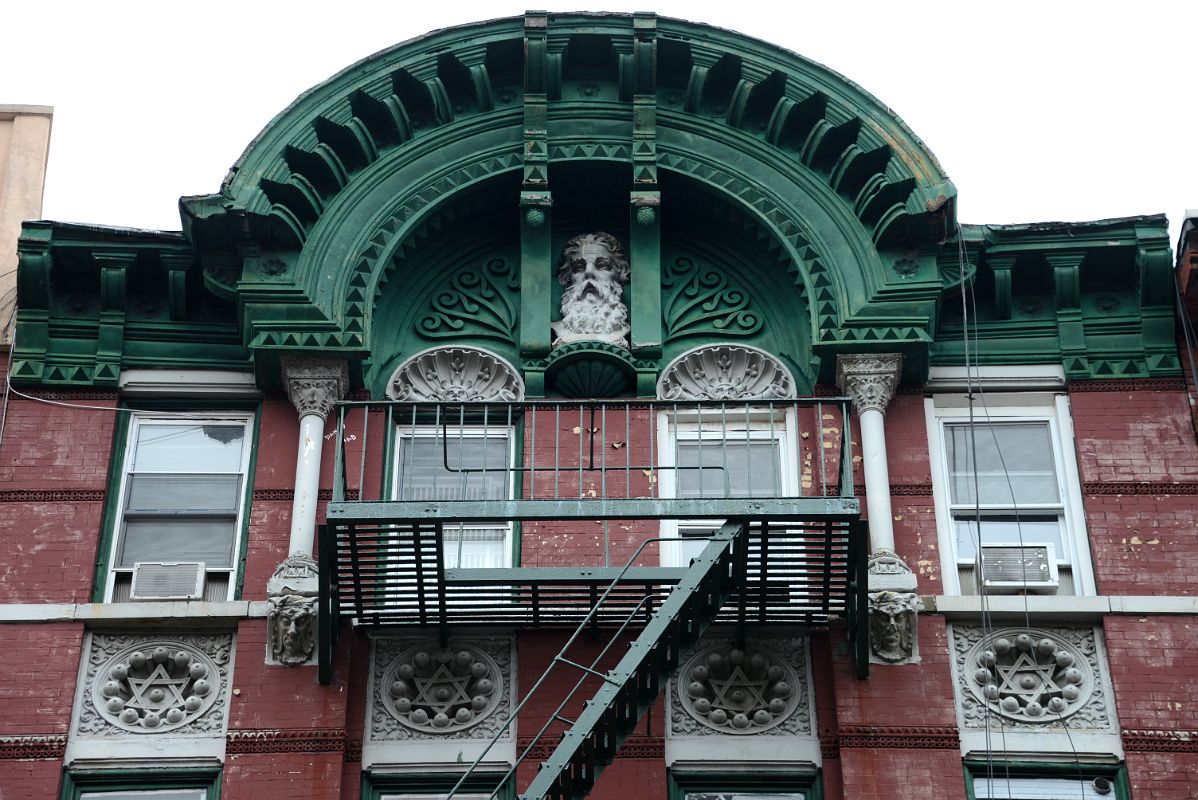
(314, 384)
(869, 379)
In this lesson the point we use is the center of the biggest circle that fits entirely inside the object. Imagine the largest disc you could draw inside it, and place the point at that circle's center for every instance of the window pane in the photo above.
(452, 468)
(210, 541)
(479, 547)
(1000, 786)
(728, 468)
(189, 448)
(1005, 529)
(166, 494)
(1023, 448)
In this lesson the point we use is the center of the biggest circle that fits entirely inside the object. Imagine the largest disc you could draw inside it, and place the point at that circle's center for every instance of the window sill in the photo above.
(1047, 607)
(112, 612)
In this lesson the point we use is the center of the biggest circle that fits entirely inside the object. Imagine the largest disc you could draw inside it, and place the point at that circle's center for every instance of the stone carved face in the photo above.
(891, 618)
(294, 628)
(593, 270)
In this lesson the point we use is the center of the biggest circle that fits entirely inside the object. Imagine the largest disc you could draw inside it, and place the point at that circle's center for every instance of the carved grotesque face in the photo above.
(593, 270)
(294, 629)
(890, 629)
(593, 264)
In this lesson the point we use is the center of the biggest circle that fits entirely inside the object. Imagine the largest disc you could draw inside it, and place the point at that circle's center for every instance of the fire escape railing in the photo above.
(415, 483)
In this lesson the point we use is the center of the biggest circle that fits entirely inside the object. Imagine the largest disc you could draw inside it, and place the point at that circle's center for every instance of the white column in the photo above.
(312, 385)
(871, 380)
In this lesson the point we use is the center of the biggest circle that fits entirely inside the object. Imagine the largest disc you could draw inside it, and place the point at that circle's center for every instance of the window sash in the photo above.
(491, 477)
(169, 513)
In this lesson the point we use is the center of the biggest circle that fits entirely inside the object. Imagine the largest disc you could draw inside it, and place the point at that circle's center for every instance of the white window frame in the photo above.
(688, 424)
(1011, 407)
(136, 421)
(468, 431)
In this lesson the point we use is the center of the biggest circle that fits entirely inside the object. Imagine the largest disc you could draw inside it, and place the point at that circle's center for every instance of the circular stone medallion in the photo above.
(737, 691)
(153, 687)
(438, 690)
(1029, 675)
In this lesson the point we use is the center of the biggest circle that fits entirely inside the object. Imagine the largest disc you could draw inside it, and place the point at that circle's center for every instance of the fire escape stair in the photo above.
(632, 686)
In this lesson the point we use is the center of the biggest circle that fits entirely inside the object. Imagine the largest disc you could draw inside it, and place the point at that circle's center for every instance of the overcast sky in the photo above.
(1038, 111)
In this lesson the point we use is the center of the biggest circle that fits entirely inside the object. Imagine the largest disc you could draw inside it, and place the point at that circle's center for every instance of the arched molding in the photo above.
(456, 374)
(726, 372)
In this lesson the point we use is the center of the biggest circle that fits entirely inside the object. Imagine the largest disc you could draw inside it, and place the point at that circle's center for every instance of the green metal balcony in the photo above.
(525, 514)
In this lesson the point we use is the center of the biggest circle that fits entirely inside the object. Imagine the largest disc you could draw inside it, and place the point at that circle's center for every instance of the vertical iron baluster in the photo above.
(823, 469)
(464, 483)
(602, 450)
(339, 458)
(627, 450)
(532, 453)
(724, 450)
(702, 464)
(557, 448)
(777, 490)
(362, 464)
(749, 448)
(580, 423)
(388, 432)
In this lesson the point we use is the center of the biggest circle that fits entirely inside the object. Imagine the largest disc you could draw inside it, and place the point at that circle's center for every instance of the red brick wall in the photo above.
(51, 541)
(1143, 544)
(266, 776)
(1162, 776)
(40, 666)
(30, 780)
(1142, 436)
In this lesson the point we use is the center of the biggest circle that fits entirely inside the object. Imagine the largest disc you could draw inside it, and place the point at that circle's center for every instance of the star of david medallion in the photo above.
(154, 687)
(1029, 675)
(737, 691)
(442, 689)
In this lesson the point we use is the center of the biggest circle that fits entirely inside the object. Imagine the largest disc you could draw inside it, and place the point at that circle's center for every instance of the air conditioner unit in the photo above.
(174, 580)
(1010, 568)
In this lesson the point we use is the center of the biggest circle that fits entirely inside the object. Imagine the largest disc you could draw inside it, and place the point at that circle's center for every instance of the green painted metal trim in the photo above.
(564, 575)
(116, 466)
(247, 502)
(798, 508)
(75, 782)
(975, 768)
(682, 783)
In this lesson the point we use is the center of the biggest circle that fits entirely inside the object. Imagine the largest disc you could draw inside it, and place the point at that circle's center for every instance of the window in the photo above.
(722, 453)
(746, 786)
(181, 499)
(1009, 483)
(433, 786)
(158, 784)
(460, 463)
(995, 780)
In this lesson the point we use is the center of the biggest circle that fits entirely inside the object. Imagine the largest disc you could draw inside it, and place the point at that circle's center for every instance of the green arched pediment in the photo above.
(461, 161)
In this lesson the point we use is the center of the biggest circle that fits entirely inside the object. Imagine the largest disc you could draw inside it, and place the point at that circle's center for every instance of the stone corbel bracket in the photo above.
(893, 610)
(291, 622)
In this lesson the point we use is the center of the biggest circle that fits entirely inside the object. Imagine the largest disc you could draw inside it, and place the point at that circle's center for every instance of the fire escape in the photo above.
(730, 513)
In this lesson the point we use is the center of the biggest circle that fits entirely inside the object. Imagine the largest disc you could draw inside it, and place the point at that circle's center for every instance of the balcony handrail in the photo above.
(571, 449)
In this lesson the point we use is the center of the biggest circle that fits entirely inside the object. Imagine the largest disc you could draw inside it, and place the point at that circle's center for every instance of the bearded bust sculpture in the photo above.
(592, 271)
(892, 631)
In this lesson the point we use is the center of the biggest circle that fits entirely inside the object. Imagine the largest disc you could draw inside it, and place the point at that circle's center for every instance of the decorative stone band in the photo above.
(456, 374)
(647, 747)
(1144, 385)
(275, 740)
(52, 496)
(314, 384)
(869, 379)
(1153, 488)
(288, 495)
(725, 372)
(1159, 741)
(48, 746)
(71, 394)
(934, 737)
(896, 489)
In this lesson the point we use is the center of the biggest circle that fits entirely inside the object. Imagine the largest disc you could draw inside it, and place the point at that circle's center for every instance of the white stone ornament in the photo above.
(592, 271)
(869, 379)
(314, 384)
(456, 374)
(893, 628)
(436, 691)
(722, 689)
(153, 686)
(1031, 677)
(725, 372)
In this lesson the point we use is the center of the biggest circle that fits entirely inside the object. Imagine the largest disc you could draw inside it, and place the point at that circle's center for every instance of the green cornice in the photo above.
(360, 178)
